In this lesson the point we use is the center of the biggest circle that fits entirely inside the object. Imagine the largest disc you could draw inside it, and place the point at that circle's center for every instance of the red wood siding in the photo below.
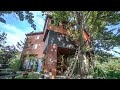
(51, 59)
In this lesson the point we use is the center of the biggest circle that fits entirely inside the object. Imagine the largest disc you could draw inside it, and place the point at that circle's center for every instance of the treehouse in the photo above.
(57, 42)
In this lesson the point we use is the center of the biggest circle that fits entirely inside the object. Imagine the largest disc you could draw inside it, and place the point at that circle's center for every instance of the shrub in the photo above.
(15, 64)
(108, 70)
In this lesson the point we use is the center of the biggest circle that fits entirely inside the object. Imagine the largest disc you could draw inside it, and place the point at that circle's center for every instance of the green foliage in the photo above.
(15, 64)
(2, 38)
(57, 16)
(7, 53)
(108, 70)
(31, 75)
(94, 22)
(20, 45)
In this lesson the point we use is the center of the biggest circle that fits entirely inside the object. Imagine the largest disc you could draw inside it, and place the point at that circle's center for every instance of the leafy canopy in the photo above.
(22, 15)
(94, 22)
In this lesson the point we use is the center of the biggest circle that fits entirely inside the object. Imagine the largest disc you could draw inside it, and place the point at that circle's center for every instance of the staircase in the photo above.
(6, 73)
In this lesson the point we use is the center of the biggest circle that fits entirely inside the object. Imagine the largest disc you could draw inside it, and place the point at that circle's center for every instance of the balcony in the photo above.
(59, 29)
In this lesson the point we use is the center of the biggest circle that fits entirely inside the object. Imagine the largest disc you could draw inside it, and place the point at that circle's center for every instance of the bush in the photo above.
(113, 69)
(108, 70)
(15, 64)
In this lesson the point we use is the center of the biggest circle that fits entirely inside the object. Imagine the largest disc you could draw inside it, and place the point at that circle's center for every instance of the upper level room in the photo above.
(49, 25)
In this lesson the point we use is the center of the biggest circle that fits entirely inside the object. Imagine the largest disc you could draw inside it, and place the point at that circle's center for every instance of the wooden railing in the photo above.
(59, 29)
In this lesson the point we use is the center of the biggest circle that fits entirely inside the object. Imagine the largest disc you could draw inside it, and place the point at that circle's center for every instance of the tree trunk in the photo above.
(82, 58)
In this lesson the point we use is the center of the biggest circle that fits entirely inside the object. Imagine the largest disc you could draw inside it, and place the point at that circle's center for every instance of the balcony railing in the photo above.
(59, 29)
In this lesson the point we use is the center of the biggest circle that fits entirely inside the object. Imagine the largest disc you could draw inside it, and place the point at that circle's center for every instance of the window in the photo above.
(35, 46)
(38, 37)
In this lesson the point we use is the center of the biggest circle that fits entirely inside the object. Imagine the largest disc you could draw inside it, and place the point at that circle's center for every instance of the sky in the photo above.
(17, 29)
(115, 48)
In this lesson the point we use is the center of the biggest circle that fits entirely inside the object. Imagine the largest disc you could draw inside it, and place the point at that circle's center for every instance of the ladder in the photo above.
(70, 69)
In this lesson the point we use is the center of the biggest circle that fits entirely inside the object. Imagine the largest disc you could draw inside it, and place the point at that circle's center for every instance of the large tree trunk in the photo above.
(84, 62)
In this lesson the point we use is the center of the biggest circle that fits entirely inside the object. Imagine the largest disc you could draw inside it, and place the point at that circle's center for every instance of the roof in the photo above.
(48, 16)
(32, 33)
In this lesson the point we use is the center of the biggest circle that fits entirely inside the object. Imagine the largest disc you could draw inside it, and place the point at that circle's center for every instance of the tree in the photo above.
(21, 44)
(9, 52)
(6, 52)
(2, 39)
(22, 15)
(94, 22)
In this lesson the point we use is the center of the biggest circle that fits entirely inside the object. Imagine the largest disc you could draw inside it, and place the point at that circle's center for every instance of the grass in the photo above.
(31, 75)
